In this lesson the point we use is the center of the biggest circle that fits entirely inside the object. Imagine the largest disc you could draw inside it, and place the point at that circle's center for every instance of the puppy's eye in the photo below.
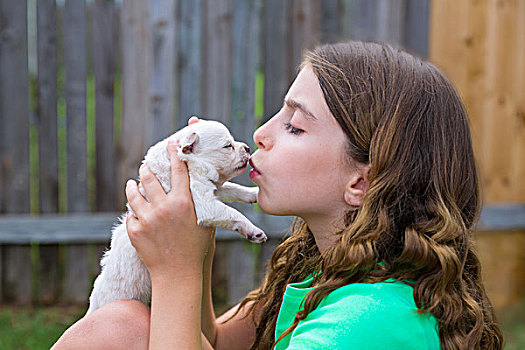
(228, 146)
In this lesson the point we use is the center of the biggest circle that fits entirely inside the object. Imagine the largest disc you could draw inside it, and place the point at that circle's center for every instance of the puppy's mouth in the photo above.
(243, 165)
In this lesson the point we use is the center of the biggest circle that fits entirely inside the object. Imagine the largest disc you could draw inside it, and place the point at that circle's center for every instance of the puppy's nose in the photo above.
(247, 149)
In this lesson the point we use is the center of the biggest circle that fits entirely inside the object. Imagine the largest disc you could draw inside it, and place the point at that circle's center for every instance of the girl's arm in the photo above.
(175, 251)
(237, 333)
(172, 246)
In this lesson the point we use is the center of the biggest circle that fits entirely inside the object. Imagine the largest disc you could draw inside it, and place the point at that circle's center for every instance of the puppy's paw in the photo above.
(250, 232)
(249, 195)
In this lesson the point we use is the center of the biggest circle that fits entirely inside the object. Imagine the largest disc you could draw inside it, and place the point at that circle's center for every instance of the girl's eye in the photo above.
(293, 130)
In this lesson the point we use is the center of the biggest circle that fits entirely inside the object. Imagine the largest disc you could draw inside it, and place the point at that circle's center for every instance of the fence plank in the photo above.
(277, 68)
(217, 58)
(77, 281)
(241, 270)
(75, 68)
(305, 27)
(416, 29)
(331, 21)
(189, 60)
(47, 106)
(162, 85)
(48, 274)
(17, 274)
(136, 70)
(360, 20)
(14, 107)
(391, 21)
(104, 68)
(246, 61)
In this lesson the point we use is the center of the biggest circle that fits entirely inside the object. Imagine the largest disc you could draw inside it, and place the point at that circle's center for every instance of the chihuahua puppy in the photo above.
(213, 157)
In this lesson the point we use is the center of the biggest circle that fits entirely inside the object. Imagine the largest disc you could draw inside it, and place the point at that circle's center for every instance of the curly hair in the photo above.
(403, 117)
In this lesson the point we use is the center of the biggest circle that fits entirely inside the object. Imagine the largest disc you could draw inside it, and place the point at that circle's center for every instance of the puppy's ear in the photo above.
(189, 143)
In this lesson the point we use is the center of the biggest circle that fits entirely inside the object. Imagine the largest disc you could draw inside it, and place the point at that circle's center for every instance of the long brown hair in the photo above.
(401, 116)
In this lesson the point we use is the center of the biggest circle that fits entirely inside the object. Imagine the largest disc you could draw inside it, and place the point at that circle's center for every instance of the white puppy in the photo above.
(213, 157)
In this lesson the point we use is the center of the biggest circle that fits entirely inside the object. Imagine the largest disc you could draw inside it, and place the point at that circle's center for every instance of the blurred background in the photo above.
(87, 86)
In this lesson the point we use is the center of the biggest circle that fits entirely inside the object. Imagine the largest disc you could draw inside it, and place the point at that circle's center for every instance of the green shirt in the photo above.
(357, 316)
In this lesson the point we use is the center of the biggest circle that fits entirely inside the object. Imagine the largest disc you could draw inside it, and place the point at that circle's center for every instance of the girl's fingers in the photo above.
(180, 180)
(151, 184)
(136, 201)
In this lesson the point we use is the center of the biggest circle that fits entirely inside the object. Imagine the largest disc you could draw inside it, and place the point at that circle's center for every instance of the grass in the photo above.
(34, 329)
(39, 328)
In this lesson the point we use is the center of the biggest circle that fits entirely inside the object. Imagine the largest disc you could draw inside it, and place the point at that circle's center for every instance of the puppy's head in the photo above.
(210, 142)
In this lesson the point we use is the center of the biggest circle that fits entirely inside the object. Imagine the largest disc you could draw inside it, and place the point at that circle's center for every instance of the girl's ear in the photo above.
(356, 187)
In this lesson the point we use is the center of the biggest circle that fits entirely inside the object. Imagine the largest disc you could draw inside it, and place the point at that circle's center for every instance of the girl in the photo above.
(372, 152)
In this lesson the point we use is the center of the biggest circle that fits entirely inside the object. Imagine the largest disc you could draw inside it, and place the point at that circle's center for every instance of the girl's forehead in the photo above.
(307, 93)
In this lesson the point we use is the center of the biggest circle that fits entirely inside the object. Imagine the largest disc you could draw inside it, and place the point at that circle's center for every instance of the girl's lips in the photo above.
(254, 172)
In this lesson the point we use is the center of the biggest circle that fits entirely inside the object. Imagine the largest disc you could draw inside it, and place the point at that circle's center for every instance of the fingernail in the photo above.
(129, 183)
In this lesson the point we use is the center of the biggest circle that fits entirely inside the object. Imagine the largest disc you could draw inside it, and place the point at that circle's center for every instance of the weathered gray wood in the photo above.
(136, 72)
(246, 60)
(220, 274)
(2, 273)
(50, 229)
(267, 250)
(48, 274)
(47, 106)
(14, 108)
(75, 68)
(77, 278)
(331, 21)
(417, 19)
(391, 21)
(96, 228)
(305, 27)
(360, 19)
(278, 72)
(162, 84)
(242, 264)
(17, 274)
(189, 37)
(98, 253)
(217, 58)
(104, 68)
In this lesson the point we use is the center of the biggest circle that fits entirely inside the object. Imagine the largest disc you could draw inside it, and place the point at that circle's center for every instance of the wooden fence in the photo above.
(106, 79)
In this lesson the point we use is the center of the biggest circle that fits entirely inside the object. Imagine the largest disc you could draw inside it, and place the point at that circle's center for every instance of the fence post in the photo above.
(14, 147)
(104, 67)
(76, 284)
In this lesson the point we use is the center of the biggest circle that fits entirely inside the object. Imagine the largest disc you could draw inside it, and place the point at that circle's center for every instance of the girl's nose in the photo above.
(260, 138)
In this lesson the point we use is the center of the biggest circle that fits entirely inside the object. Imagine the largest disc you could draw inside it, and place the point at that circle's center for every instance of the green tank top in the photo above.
(357, 316)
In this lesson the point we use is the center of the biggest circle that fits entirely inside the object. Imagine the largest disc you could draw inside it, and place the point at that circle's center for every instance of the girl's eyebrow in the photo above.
(297, 105)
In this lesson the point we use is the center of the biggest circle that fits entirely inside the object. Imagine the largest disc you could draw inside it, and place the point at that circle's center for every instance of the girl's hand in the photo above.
(164, 231)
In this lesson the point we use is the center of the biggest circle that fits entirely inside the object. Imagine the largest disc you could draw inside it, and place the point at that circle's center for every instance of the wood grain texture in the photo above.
(75, 69)
(14, 108)
(480, 45)
(47, 106)
(136, 73)
(104, 56)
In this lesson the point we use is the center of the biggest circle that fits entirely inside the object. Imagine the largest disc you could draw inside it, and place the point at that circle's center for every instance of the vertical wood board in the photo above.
(75, 69)
(14, 108)
(104, 70)
(47, 106)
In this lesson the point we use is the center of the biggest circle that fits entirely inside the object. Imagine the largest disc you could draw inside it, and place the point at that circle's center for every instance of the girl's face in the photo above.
(300, 166)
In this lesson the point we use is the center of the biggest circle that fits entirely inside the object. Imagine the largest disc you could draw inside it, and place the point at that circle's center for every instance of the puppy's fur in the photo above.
(213, 157)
